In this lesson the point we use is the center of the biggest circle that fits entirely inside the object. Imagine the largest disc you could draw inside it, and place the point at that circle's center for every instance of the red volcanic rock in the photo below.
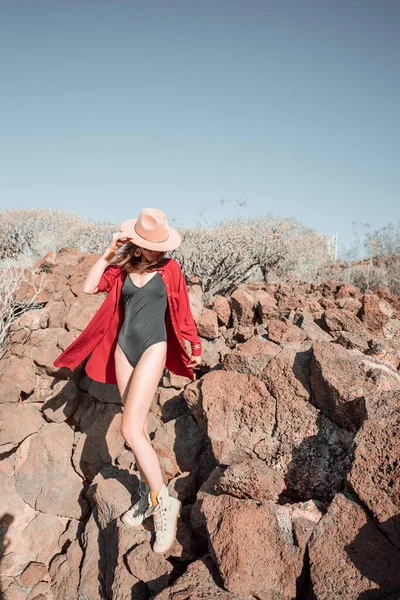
(17, 376)
(282, 289)
(385, 349)
(46, 263)
(45, 345)
(57, 313)
(251, 356)
(352, 305)
(375, 471)
(242, 306)
(245, 538)
(391, 331)
(150, 567)
(281, 332)
(60, 400)
(344, 382)
(213, 352)
(251, 479)
(169, 404)
(64, 571)
(235, 411)
(23, 530)
(33, 573)
(329, 287)
(266, 305)
(83, 310)
(18, 421)
(352, 341)
(198, 583)
(375, 312)
(251, 448)
(45, 478)
(327, 303)
(33, 319)
(176, 381)
(288, 303)
(222, 308)
(99, 440)
(27, 290)
(349, 557)
(347, 291)
(335, 320)
(207, 324)
(179, 444)
(311, 452)
(306, 322)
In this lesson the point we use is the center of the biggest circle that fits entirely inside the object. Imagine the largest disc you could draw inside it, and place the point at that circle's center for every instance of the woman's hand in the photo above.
(195, 361)
(118, 239)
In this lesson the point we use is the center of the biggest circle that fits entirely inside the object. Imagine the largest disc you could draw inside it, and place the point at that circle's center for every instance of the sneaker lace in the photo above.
(159, 519)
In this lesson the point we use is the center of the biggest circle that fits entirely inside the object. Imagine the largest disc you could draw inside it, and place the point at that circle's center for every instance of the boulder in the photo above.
(281, 332)
(207, 324)
(251, 356)
(244, 537)
(375, 472)
(265, 305)
(350, 557)
(222, 308)
(44, 475)
(375, 313)
(242, 306)
(99, 440)
(17, 422)
(344, 381)
(251, 479)
(199, 581)
(312, 453)
(236, 412)
(17, 379)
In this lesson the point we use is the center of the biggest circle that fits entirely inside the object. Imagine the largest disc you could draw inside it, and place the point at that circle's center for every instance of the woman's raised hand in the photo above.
(118, 239)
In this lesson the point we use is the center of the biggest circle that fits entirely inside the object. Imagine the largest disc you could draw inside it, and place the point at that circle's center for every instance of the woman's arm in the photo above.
(92, 280)
(99, 277)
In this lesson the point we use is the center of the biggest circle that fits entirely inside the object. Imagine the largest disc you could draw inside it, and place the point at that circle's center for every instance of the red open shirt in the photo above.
(101, 334)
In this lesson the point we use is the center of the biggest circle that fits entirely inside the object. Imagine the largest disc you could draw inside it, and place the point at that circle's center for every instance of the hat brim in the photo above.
(174, 239)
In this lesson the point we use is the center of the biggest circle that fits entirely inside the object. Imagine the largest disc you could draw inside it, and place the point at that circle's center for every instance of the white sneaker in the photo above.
(141, 510)
(165, 520)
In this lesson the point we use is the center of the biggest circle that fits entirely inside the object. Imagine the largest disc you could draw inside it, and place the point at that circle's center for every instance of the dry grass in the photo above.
(11, 308)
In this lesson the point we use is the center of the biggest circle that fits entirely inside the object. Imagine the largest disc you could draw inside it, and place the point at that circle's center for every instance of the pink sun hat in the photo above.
(151, 231)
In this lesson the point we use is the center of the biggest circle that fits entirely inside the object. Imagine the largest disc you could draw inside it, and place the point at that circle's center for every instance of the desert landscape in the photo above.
(284, 451)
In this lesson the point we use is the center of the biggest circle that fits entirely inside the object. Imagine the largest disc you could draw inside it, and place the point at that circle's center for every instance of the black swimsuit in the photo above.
(144, 322)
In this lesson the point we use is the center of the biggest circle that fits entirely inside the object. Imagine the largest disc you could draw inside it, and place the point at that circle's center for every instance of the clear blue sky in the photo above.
(290, 105)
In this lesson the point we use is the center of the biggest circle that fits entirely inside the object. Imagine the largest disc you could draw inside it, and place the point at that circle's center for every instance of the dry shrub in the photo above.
(367, 274)
(239, 250)
(31, 233)
(230, 252)
(11, 279)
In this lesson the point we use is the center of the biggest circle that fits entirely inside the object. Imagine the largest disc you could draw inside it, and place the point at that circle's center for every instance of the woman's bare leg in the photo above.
(124, 373)
(138, 391)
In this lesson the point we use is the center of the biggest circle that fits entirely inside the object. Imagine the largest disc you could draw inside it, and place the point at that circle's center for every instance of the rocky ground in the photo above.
(284, 452)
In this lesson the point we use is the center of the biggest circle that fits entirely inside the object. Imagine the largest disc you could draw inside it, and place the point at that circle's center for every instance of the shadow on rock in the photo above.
(377, 560)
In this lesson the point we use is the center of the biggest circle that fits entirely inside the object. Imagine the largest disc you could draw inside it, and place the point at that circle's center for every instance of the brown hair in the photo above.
(126, 259)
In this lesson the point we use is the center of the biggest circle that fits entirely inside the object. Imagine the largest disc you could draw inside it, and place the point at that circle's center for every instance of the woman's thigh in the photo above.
(123, 372)
(142, 386)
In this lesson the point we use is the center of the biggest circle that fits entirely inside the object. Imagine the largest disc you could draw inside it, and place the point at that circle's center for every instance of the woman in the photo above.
(139, 330)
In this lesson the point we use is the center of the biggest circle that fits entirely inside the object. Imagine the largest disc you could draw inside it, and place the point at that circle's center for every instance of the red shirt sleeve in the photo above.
(108, 278)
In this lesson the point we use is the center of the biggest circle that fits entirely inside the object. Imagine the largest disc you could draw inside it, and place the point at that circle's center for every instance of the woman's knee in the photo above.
(131, 434)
